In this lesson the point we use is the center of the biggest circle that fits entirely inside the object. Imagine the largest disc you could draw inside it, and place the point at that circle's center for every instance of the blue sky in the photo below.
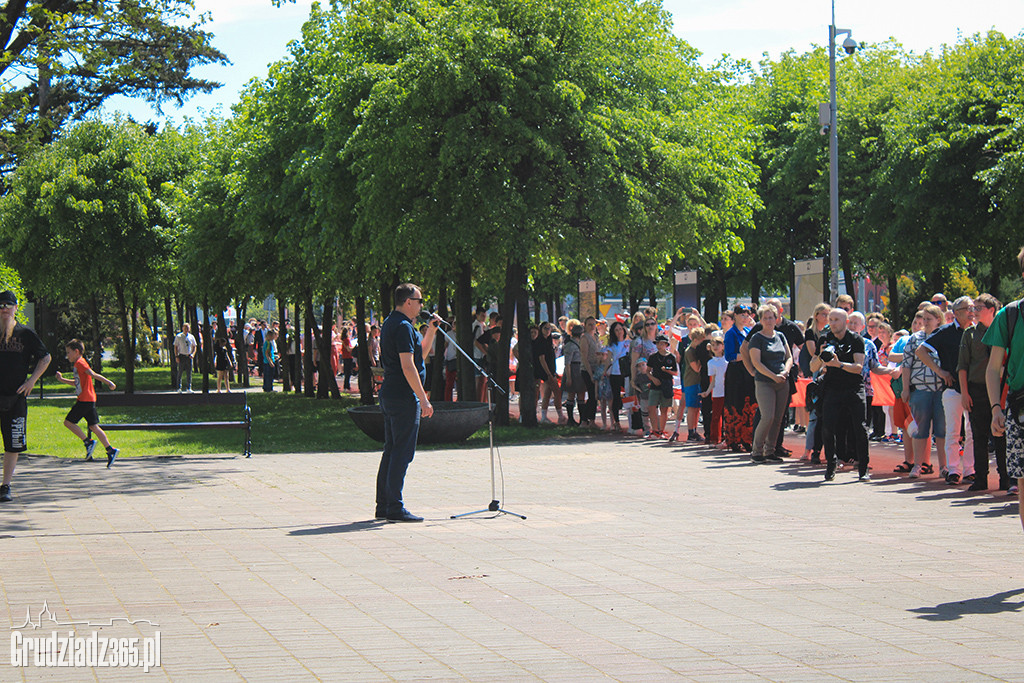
(253, 33)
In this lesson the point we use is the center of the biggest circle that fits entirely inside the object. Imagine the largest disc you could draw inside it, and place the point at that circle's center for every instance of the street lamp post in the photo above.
(850, 45)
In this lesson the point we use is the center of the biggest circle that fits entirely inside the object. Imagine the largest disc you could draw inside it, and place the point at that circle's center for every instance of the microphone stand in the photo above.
(495, 505)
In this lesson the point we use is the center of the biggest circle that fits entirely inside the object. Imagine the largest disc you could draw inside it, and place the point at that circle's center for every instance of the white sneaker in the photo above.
(915, 472)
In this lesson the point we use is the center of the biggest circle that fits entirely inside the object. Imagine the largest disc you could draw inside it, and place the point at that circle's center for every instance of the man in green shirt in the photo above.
(999, 338)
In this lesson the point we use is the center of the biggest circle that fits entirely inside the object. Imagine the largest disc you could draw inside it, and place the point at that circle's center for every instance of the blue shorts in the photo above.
(926, 407)
(692, 396)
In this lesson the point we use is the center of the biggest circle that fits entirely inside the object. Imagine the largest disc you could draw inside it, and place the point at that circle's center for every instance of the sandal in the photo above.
(904, 467)
(674, 437)
(927, 468)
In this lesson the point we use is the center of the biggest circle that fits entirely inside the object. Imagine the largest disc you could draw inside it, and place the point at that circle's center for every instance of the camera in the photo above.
(850, 45)
(827, 354)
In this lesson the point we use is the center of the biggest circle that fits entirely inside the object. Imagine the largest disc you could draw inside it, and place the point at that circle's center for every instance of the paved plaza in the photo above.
(637, 562)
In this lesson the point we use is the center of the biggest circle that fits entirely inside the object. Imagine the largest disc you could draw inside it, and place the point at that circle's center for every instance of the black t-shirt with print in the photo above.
(660, 365)
(18, 358)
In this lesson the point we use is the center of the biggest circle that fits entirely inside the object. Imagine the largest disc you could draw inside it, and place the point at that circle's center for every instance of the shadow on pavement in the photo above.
(951, 611)
(366, 525)
(44, 483)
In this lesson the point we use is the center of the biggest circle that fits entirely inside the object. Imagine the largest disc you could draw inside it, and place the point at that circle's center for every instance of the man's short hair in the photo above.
(844, 300)
(876, 316)
(987, 300)
(76, 345)
(404, 292)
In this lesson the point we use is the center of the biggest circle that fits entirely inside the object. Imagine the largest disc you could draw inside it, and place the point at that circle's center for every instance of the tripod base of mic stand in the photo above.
(495, 506)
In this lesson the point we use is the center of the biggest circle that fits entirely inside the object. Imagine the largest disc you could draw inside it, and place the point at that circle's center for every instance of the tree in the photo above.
(82, 217)
(580, 123)
(68, 57)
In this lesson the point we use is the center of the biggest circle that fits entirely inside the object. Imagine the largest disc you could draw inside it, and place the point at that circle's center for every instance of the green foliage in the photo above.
(65, 58)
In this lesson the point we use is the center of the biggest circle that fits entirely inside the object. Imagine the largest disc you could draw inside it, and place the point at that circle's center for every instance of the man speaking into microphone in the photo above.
(402, 398)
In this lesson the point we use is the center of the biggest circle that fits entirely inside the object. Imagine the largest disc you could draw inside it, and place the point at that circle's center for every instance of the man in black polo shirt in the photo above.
(945, 341)
(402, 399)
(843, 400)
(795, 338)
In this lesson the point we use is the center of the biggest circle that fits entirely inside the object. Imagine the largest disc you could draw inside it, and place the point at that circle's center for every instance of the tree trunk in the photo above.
(97, 337)
(168, 341)
(197, 333)
(282, 347)
(297, 359)
(328, 385)
(654, 299)
(464, 331)
(755, 288)
(129, 366)
(307, 356)
(551, 309)
(241, 350)
(501, 372)
(207, 346)
(363, 354)
(894, 315)
(440, 345)
(851, 286)
(525, 383)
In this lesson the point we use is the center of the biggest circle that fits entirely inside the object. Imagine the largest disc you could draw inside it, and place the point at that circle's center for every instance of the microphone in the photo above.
(430, 316)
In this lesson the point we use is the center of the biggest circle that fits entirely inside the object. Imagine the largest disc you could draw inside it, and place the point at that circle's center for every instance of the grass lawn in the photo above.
(282, 423)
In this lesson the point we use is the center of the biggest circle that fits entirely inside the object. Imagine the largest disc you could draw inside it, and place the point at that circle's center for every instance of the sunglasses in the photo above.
(650, 324)
(412, 298)
(6, 306)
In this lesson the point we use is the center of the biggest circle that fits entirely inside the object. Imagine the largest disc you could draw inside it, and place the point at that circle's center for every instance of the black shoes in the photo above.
(978, 485)
(5, 493)
(953, 479)
(111, 456)
(90, 445)
(775, 457)
(404, 516)
(758, 459)
(830, 473)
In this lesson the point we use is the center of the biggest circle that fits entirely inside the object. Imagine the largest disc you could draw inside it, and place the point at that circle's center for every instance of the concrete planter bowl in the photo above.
(450, 423)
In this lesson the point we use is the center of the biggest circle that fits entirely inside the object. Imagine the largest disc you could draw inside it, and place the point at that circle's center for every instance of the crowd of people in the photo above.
(840, 378)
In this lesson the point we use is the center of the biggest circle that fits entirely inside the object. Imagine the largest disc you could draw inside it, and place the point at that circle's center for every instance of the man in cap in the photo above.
(19, 347)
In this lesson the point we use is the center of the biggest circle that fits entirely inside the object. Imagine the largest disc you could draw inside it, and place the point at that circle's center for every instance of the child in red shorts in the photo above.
(85, 406)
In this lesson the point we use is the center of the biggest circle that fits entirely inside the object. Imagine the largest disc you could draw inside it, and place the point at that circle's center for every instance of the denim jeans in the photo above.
(926, 407)
(401, 427)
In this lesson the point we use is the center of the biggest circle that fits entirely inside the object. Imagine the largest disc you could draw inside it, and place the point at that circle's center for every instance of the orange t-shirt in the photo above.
(83, 382)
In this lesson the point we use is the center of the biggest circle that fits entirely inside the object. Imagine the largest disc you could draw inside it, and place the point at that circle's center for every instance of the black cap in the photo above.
(661, 338)
(8, 297)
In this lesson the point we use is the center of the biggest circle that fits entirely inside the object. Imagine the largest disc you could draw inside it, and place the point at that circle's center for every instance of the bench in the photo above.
(155, 400)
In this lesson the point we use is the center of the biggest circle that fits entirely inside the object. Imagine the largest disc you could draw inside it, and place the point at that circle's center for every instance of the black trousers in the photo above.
(589, 409)
(843, 422)
(618, 383)
(981, 428)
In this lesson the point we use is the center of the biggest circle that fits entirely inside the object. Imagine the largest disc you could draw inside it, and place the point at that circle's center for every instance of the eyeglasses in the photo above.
(650, 324)
(977, 308)
(6, 306)
(412, 298)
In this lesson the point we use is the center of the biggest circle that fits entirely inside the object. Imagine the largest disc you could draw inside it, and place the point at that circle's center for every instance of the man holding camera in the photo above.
(843, 401)
(1007, 342)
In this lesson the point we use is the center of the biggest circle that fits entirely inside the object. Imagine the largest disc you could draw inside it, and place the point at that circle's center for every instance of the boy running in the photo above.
(85, 406)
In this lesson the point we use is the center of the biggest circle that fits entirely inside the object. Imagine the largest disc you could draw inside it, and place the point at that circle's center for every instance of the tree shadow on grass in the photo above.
(951, 611)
